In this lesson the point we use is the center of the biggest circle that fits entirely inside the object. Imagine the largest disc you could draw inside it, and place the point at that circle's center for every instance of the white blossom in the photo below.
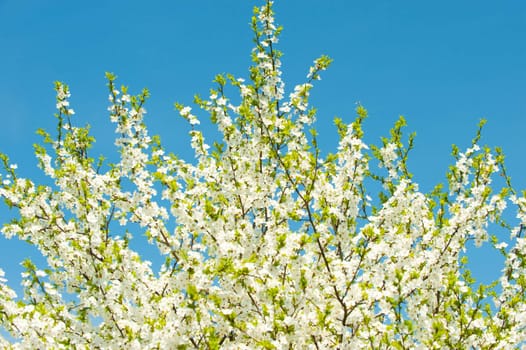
(265, 240)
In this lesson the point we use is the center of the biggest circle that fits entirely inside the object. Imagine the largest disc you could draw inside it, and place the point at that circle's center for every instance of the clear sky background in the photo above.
(442, 64)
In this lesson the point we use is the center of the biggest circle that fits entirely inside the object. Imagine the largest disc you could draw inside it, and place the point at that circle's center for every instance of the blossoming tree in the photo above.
(267, 243)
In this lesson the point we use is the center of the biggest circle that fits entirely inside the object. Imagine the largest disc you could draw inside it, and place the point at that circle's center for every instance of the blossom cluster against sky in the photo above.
(443, 65)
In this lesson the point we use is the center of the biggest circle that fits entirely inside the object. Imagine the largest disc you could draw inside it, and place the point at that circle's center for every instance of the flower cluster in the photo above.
(267, 243)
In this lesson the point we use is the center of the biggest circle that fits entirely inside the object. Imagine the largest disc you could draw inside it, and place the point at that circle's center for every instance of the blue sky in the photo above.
(441, 64)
